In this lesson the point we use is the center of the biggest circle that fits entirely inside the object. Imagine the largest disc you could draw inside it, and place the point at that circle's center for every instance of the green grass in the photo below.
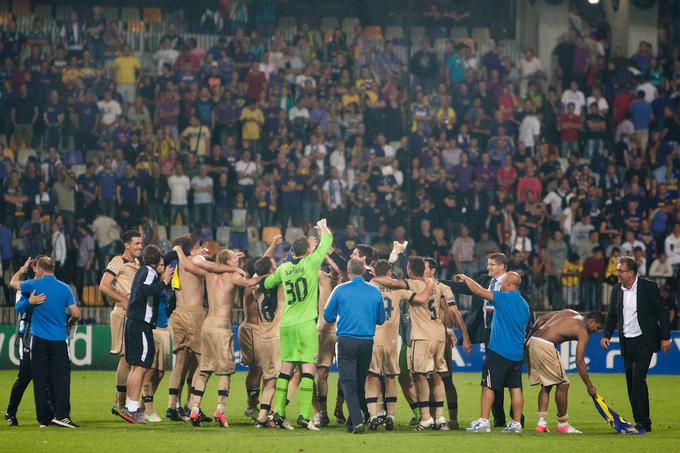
(92, 395)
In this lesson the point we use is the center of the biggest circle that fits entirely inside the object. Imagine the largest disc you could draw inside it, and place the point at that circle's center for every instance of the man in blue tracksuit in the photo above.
(358, 308)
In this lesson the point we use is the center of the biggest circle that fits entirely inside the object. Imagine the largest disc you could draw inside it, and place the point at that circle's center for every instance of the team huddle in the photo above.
(288, 343)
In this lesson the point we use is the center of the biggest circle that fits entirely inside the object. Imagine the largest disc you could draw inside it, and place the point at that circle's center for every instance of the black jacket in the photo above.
(651, 312)
(145, 295)
(474, 319)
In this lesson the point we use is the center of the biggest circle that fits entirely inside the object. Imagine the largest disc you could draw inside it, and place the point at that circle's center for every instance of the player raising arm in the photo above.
(298, 337)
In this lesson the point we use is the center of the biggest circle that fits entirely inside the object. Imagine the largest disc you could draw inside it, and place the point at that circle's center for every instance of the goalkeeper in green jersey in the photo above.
(298, 337)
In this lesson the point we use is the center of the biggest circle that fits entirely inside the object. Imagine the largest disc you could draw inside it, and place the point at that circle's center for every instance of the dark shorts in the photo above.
(139, 345)
(499, 372)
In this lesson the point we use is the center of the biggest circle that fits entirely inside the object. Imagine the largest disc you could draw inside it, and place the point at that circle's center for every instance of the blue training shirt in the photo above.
(48, 320)
(359, 307)
(508, 327)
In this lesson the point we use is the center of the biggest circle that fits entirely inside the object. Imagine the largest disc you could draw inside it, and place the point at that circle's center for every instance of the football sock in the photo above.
(281, 391)
(306, 394)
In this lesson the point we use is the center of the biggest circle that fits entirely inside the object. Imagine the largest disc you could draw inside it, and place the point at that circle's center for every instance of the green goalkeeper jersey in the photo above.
(300, 281)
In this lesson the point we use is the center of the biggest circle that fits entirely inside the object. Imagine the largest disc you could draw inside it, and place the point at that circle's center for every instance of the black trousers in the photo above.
(498, 409)
(21, 384)
(51, 368)
(354, 359)
(636, 358)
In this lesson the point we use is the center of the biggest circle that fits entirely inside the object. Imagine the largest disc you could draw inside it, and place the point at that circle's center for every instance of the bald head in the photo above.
(510, 281)
(355, 267)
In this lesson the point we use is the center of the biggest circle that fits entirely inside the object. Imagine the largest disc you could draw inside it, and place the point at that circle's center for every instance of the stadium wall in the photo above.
(90, 350)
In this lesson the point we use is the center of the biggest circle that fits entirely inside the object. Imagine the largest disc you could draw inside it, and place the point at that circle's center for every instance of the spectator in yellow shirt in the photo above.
(571, 279)
(126, 69)
(196, 137)
(252, 119)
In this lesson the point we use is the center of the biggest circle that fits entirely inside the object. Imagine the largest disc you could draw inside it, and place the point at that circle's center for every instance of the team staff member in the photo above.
(359, 306)
(637, 311)
(23, 308)
(503, 362)
(142, 314)
(50, 363)
(480, 318)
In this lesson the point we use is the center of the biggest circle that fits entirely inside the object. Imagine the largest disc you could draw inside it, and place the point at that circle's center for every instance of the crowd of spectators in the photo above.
(462, 153)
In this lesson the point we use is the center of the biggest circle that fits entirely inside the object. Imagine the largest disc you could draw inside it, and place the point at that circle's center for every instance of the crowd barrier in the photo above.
(90, 345)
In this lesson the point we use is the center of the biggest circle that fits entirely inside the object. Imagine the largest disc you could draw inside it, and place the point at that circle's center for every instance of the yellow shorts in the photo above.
(385, 360)
(326, 348)
(426, 356)
(117, 325)
(161, 339)
(185, 327)
(544, 364)
(217, 346)
(246, 344)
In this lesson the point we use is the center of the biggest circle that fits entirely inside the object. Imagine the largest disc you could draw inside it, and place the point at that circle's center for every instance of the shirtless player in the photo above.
(187, 319)
(217, 343)
(116, 283)
(545, 366)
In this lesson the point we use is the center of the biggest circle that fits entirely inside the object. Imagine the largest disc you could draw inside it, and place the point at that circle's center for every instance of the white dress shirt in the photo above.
(631, 326)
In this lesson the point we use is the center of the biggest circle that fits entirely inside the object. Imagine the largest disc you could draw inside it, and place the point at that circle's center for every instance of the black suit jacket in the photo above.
(651, 312)
(474, 319)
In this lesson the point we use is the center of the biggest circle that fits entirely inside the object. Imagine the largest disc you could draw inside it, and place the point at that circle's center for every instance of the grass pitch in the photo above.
(92, 394)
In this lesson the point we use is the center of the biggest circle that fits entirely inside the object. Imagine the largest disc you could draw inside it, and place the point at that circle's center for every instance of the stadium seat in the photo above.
(256, 248)
(129, 13)
(287, 22)
(5, 18)
(459, 32)
(78, 169)
(223, 233)
(61, 12)
(44, 11)
(394, 32)
(21, 7)
(178, 230)
(417, 34)
(162, 233)
(135, 26)
(481, 34)
(269, 232)
(349, 23)
(110, 13)
(293, 233)
(402, 52)
(152, 15)
(329, 23)
(440, 47)
(253, 234)
(373, 32)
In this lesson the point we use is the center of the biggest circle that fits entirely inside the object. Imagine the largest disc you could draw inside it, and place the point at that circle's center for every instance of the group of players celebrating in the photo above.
(288, 346)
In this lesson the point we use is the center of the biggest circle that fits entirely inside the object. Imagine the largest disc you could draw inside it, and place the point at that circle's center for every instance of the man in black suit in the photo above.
(478, 319)
(637, 312)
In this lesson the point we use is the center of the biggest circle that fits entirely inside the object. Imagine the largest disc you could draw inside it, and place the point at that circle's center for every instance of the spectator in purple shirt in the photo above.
(463, 174)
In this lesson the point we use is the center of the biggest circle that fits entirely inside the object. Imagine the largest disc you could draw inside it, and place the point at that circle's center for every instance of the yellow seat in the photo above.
(268, 234)
(21, 7)
(136, 26)
(373, 32)
(152, 15)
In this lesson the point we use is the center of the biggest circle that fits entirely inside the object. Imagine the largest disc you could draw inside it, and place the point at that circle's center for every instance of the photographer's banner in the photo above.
(90, 346)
